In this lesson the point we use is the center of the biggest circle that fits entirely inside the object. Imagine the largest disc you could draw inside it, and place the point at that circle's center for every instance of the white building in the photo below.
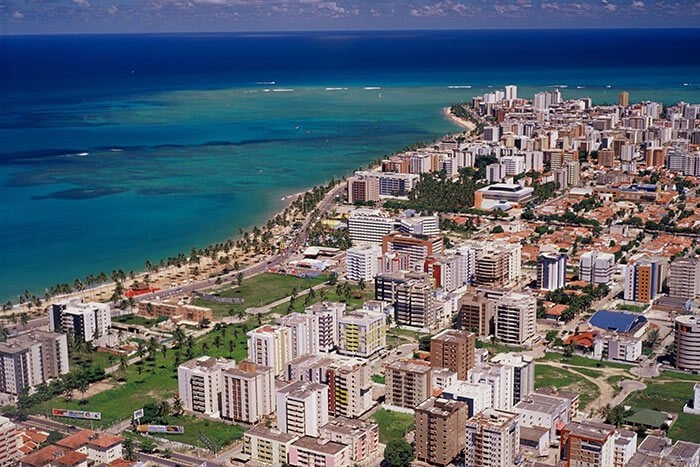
(10, 442)
(516, 316)
(270, 346)
(617, 347)
(327, 316)
(199, 384)
(540, 410)
(420, 225)
(369, 226)
(523, 373)
(302, 408)
(493, 439)
(85, 321)
(247, 393)
(551, 271)
(596, 267)
(362, 262)
(31, 359)
(477, 396)
(304, 336)
(500, 379)
(267, 446)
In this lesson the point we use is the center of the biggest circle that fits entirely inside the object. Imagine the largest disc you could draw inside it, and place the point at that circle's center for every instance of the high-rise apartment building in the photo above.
(684, 279)
(454, 350)
(247, 393)
(362, 436)
(596, 267)
(687, 344)
(417, 249)
(523, 373)
(587, 444)
(624, 99)
(31, 359)
(551, 271)
(199, 384)
(516, 316)
(438, 423)
(362, 262)
(369, 226)
(349, 387)
(408, 383)
(493, 439)
(10, 442)
(477, 314)
(327, 316)
(642, 281)
(303, 333)
(363, 189)
(85, 321)
(267, 446)
(412, 295)
(302, 408)
(270, 346)
(500, 378)
(362, 333)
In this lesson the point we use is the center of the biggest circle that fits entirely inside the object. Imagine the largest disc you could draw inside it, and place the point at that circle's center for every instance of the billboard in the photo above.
(138, 414)
(168, 429)
(76, 414)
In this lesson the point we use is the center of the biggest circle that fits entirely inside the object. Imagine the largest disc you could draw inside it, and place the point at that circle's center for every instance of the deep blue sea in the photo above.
(115, 149)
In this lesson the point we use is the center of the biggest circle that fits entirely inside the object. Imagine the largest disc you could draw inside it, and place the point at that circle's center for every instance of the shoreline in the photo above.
(163, 276)
(467, 125)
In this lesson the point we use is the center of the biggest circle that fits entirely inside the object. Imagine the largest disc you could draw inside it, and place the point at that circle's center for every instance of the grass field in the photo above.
(496, 348)
(257, 291)
(328, 294)
(576, 360)
(665, 396)
(379, 379)
(687, 428)
(137, 320)
(220, 434)
(155, 381)
(392, 425)
(85, 360)
(549, 376)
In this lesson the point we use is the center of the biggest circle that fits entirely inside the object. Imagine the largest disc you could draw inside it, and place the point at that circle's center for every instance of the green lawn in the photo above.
(392, 425)
(495, 348)
(138, 320)
(549, 376)
(155, 381)
(686, 428)
(664, 396)
(85, 360)
(679, 375)
(219, 433)
(327, 294)
(379, 379)
(577, 360)
(259, 290)
(633, 308)
(588, 372)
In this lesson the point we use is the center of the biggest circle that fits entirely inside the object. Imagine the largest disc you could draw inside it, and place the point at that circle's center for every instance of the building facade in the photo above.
(493, 439)
(199, 384)
(247, 393)
(454, 350)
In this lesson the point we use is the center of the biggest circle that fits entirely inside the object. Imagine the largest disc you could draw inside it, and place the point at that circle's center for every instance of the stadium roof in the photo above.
(625, 322)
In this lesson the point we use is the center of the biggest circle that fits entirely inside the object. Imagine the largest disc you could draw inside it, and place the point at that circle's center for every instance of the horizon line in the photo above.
(321, 31)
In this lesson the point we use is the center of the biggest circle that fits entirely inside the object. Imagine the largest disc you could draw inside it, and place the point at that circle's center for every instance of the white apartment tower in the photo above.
(85, 321)
(302, 408)
(493, 439)
(199, 384)
(247, 393)
(327, 315)
(362, 262)
(516, 315)
(551, 271)
(596, 267)
(369, 226)
(270, 346)
(304, 336)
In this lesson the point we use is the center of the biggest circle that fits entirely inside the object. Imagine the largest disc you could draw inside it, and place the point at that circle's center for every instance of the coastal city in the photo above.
(522, 292)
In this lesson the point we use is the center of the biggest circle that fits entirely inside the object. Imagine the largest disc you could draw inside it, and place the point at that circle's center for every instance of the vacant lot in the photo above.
(549, 376)
(392, 425)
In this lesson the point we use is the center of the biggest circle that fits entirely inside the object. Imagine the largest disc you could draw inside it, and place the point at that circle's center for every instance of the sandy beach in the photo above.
(468, 125)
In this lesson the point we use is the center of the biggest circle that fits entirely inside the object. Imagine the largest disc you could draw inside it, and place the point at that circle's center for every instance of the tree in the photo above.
(398, 453)
(148, 446)
(239, 279)
(177, 407)
(128, 449)
(615, 416)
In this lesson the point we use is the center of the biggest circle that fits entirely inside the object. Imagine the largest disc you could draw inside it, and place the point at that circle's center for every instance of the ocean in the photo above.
(116, 149)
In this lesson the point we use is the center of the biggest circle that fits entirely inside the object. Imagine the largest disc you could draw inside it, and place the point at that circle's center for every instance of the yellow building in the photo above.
(362, 333)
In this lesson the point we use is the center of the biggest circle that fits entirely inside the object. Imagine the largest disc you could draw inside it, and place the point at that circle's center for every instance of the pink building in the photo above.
(310, 451)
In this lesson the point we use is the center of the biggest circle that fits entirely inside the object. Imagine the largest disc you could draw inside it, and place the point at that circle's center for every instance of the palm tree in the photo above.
(3, 334)
(218, 341)
(24, 318)
(205, 348)
(177, 407)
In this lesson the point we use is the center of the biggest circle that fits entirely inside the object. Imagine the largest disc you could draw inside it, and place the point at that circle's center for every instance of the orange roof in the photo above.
(557, 310)
(72, 458)
(437, 392)
(83, 437)
(122, 463)
(583, 339)
(44, 456)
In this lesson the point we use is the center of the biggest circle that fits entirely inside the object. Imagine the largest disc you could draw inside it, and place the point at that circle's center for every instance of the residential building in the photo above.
(31, 359)
(454, 350)
(421, 226)
(684, 279)
(493, 439)
(363, 189)
(624, 99)
(10, 442)
(408, 383)
(101, 448)
(540, 410)
(174, 311)
(362, 436)
(500, 380)
(349, 387)
(327, 316)
(477, 314)
(625, 447)
(362, 333)
(551, 271)
(199, 384)
(267, 446)
(437, 421)
(596, 267)
(247, 393)
(85, 321)
(687, 344)
(516, 315)
(309, 451)
(302, 408)
(523, 373)
(477, 396)
(362, 262)
(303, 333)
(412, 295)
(642, 281)
(587, 444)
(369, 226)
(417, 249)
(270, 346)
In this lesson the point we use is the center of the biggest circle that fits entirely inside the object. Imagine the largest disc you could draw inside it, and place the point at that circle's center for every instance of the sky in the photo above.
(138, 16)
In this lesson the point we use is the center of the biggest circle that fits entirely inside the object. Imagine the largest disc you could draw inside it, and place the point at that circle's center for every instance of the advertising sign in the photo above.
(170, 429)
(76, 414)
(138, 414)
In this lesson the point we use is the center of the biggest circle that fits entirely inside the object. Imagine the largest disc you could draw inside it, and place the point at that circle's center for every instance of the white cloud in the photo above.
(442, 8)
(82, 3)
(112, 10)
(18, 15)
(639, 5)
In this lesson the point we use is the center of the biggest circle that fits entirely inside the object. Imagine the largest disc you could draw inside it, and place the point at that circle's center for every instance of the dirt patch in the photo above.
(94, 389)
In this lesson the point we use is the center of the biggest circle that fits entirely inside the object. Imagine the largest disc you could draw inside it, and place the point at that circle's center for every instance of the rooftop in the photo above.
(625, 322)
(319, 445)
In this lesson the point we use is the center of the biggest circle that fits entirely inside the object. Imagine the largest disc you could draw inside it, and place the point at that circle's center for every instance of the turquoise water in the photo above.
(110, 159)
